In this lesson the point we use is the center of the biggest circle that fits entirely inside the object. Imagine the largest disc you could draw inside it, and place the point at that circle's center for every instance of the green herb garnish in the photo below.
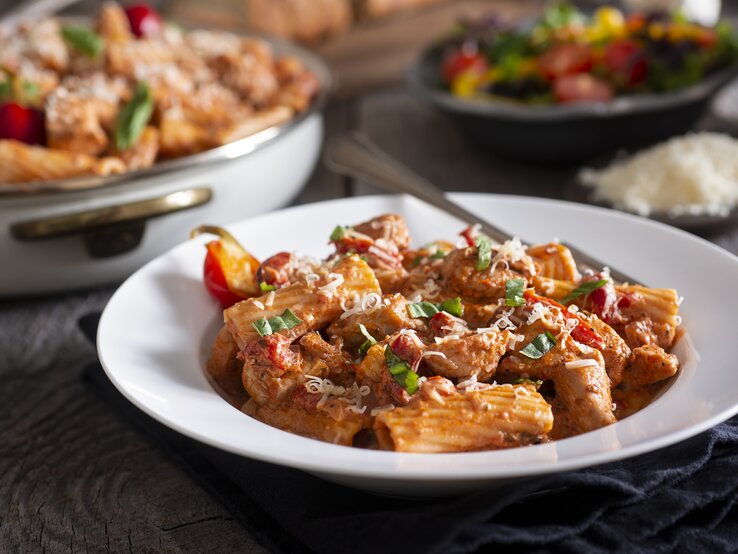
(581, 290)
(263, 287)
(525, 381)
(401, 371)
(422, 309)
(484, 254)
(133, 117)
(536, 348)
(514, 292)
(265, 326)
(368, 343)
(452, 306)
(84, 40)
(338, 233)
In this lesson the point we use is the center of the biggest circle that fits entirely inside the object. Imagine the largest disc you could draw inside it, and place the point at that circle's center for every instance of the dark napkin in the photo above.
(678, 499)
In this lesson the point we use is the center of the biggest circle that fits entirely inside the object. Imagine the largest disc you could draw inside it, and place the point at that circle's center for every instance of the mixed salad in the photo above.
(568, 56)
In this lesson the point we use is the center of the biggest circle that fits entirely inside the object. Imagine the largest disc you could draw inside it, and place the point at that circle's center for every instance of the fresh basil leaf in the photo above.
(400, 371)
(484, 254)
(287, 320)
(525, 381)
(30, 91)
(262, 327)
(438, 255)
(452, 306)
(422, 309)
(581, 290)
(263, 287)
(338, 233)
(514, 292)
(368, 343)
(133, 117)
(536, 348)
(83, 40)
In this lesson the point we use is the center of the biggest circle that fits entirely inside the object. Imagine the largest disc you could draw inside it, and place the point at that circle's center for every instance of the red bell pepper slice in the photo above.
(229, 271)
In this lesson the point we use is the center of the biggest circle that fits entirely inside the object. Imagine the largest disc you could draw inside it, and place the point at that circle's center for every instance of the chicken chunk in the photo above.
(474, 354)
(650, 365)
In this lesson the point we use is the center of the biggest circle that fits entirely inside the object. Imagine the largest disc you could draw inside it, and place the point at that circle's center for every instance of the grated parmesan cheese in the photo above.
(693, 174)
(331, 287)
(353, 395)
(576, 364)
(258, 304)
(512, 251)
(269, 299)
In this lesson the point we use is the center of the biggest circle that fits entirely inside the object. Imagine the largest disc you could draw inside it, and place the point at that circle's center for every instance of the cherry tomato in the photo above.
(144, 20)
(229, 271)
(626, 60)
(565, 59)
(635, 22)
(460, 61)
(581, 88)
(21, 123)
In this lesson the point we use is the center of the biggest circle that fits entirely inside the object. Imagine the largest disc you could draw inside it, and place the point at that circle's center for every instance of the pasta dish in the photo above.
(444, 348)
(129, 90)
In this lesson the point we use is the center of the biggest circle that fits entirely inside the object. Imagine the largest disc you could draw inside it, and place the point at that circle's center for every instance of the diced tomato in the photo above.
(582, 332)
(21, 123)
(357, 245)
(565, 59)
(635, 22)
(145, 21)
(707, 38)
(470, 234)
(274, 270)
(582, 88)
(460, 61)
(406, 348)
(627, 61)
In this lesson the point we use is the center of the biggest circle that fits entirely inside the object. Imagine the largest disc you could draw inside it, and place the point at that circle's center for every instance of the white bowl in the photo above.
(156, 332)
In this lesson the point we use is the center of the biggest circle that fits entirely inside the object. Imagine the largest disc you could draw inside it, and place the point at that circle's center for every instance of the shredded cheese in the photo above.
(269, 300)
(692, 174)
(362, 304)
(512, 251)
(258, 304)
(576, 364)
(330, 288)
(353, 395)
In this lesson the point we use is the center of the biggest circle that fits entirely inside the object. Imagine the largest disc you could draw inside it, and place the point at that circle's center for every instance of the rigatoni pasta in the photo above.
(437, 349)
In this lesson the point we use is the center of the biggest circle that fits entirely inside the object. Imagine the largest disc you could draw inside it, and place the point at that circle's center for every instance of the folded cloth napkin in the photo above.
(678, 499)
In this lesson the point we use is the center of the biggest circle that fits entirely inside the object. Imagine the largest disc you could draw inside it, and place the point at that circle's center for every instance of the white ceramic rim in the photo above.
(307, 454)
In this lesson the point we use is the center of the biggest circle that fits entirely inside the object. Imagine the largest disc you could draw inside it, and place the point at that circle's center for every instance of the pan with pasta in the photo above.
(444, 348)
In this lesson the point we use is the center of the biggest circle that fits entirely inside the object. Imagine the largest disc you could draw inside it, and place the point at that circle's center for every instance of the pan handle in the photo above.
(111, 230)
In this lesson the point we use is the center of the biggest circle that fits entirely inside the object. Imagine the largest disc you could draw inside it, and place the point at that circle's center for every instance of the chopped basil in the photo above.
(417, 260)
(484, 254)
(422, 309)
(368, 343)
(525, 381)
(581, 290)
(133, 117)
(30, 91)
(338, 233)
(438, 255)
(262, 327)
(452, 306)
(6, 89)
(514, 292)
(536, 348)
(263, 287)
(287, 320)
(401, 372)
(83, 40)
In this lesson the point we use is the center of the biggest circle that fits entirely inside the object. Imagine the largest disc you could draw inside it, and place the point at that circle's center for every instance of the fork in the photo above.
(354, 155)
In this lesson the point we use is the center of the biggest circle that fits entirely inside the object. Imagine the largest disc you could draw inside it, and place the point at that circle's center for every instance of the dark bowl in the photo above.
(565, 134)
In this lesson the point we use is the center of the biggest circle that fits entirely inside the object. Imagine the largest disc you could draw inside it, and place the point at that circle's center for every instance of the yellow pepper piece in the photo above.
(466, 83)
(656, 31)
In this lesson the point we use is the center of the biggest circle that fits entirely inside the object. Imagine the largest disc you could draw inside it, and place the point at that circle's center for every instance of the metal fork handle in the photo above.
(356, 156)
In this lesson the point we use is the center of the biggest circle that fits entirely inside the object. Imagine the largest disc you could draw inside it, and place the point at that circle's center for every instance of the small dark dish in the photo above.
(576, 191)
(566, 133)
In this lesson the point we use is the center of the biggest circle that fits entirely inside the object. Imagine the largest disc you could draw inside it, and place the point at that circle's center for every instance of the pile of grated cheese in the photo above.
(694, 174)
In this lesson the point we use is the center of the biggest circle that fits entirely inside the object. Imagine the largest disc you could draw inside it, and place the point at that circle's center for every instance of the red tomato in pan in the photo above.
(145, 21)
(23, 124)
(584, 87)
(565, 59)
(460, 61)
(626, 60)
